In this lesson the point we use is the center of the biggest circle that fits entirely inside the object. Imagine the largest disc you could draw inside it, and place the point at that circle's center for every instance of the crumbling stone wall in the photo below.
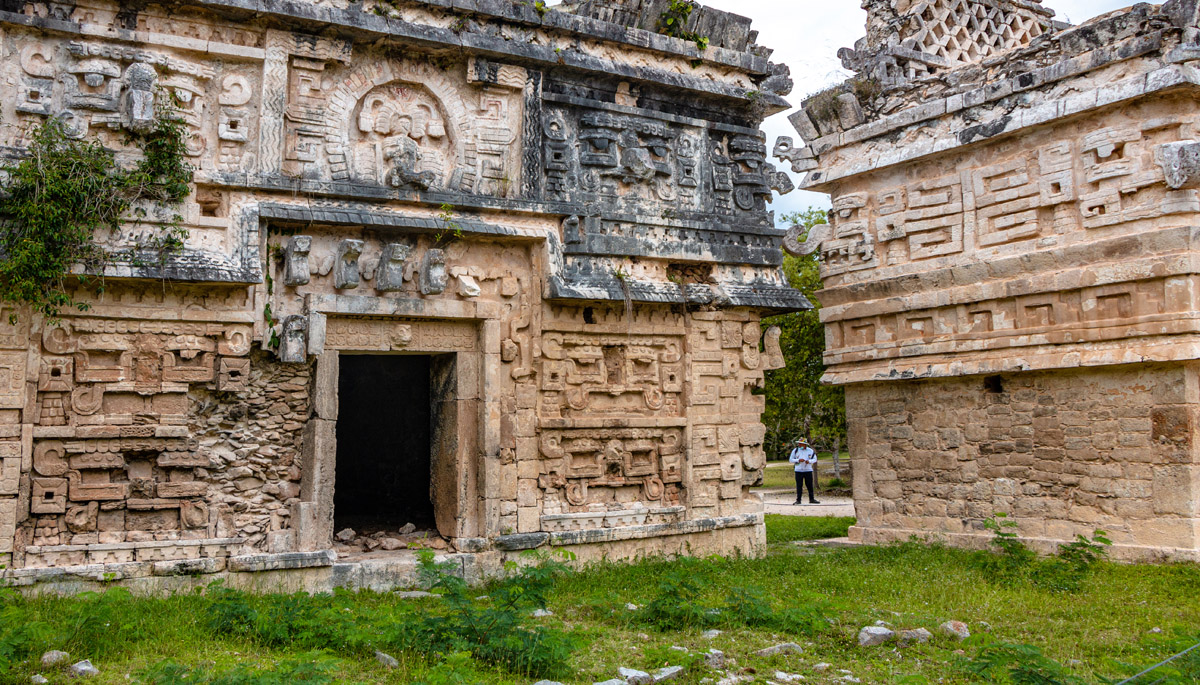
(252, 439)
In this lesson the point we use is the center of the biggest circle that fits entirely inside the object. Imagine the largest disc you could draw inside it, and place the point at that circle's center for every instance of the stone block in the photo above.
(1174, 490)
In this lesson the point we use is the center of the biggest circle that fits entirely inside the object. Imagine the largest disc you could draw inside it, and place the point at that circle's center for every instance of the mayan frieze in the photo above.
(497, 273)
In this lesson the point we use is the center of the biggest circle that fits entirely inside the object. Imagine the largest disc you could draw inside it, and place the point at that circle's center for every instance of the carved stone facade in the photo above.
(1010, 293)
(570, 242)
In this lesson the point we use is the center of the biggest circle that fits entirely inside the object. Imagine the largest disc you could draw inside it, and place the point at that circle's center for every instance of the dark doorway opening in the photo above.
(383, 443)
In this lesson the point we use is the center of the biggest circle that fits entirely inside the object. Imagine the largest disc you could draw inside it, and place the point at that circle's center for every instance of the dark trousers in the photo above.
(805, 478)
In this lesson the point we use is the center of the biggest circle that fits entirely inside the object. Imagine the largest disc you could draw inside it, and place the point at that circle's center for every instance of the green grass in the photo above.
(908, 586)
(792, 528)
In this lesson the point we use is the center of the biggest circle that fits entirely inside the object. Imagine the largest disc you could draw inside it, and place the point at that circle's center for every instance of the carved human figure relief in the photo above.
(401, 139)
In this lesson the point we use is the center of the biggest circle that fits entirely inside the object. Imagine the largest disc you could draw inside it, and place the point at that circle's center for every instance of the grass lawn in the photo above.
(790, 528)
(835, 592)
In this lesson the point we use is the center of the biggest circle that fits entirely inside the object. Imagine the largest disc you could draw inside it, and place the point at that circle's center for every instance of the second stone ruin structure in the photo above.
(1011, 287)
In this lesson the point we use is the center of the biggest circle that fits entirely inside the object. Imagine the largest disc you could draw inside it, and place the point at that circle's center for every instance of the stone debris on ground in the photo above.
(955, 629)
(39, 679)
(677, 648)
(915, 636)
(784, 648)
(710, 634)
(387, 660)
(349, 541)
(782, 677)
(54, 658)
(632, 676)
(631, 607)
(872, 636)
(414, 594)
(542, 613)
(715, 658)
(821, 667)
(83, 669)
(663, 675)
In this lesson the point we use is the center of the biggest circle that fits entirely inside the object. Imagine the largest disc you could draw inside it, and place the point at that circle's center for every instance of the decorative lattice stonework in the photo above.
(910, 39)
(964, 31)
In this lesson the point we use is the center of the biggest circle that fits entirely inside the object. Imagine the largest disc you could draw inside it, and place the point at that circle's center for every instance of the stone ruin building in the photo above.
(488, 268)
(1011, 284)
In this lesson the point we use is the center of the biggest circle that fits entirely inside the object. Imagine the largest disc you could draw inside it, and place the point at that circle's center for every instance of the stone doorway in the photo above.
(384, 452)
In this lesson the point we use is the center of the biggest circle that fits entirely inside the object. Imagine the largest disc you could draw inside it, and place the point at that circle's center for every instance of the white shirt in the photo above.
(803, 458)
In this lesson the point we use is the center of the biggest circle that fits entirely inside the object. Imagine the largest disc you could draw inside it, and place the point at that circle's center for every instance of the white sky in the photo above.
(806, 35)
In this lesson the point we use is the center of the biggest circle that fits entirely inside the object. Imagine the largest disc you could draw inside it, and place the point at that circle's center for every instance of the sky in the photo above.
(806, 35)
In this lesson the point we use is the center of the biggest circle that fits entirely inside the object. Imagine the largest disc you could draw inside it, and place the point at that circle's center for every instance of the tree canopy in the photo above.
(798, 405)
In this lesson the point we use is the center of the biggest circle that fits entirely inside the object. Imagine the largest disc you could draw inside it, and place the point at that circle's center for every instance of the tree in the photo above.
(798, 405)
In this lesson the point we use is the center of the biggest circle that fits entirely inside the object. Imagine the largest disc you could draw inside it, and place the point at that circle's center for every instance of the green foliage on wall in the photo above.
(674, 20)
(797, 403)
(64, 190)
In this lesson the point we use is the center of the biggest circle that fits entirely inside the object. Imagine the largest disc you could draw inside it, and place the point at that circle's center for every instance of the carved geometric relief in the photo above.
(597, 375)
(10, 468)
(585, 463)
(12, 380)
(384, 334)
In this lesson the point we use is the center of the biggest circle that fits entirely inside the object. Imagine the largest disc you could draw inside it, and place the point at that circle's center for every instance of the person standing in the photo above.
(804, 458)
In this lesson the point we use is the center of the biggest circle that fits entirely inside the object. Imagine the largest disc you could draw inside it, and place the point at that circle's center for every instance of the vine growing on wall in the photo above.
(54, 200)
(674, 20)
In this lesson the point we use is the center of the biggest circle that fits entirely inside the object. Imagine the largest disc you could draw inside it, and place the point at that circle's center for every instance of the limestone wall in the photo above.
(1061, 453)
(1010, 287)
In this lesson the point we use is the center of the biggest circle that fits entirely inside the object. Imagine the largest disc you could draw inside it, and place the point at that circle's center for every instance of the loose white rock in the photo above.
(874, 635)
(631, 607)
(822, 667)
(613, 681)
(39, 679)
(715, 658)
(710, 634)
(851, 679)
(387, 660)
(542, 613)
(788, 677)
(415, 594)
(345, 535)
(547, 682)
(784, 648)
(677, 648)
(83, 669)
(54, 658)
(662, 675)
(919, 635)
(632, 676)
(956, 629)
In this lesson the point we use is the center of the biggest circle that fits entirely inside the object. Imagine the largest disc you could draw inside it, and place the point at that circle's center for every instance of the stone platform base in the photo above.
(323, 571)
(1118, 552)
